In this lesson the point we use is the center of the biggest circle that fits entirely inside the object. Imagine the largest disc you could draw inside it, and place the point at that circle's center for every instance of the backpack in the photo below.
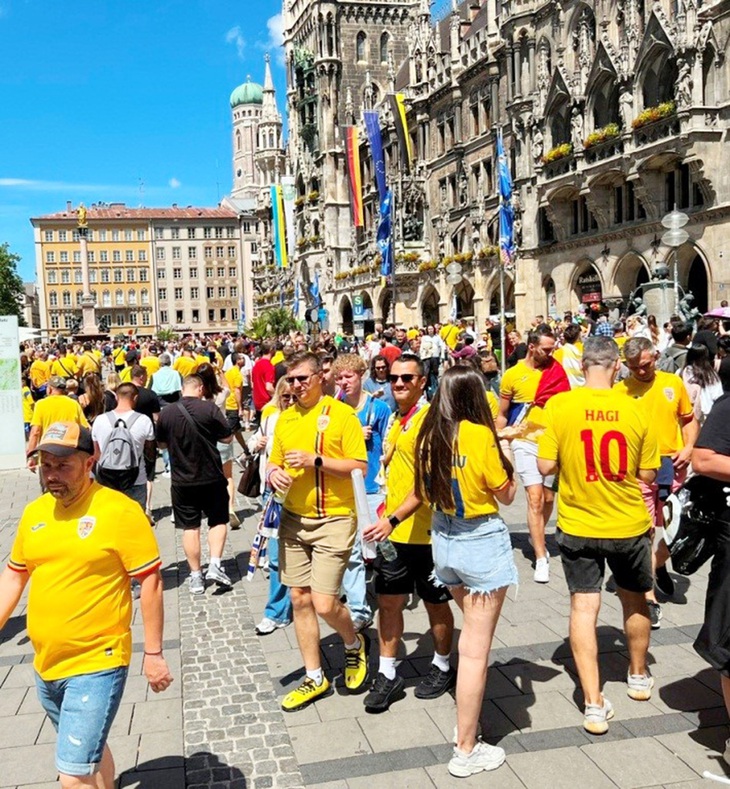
(118, 465)
(672, 359)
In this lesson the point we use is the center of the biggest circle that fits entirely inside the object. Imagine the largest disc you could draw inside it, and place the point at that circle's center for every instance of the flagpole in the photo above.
(400, 231)
(502, 316)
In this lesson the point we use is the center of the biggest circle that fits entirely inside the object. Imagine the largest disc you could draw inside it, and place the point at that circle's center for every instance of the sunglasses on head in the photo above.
(405, 377)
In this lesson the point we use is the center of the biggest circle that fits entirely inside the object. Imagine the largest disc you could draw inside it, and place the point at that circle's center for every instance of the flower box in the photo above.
(557, 153)
(609, 132)
(654, 114)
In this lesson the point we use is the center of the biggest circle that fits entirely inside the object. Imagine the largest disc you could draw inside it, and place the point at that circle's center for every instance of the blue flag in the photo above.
(314, 290)
(372, 126)
(295, 306)
(506, 214)
(385, 235)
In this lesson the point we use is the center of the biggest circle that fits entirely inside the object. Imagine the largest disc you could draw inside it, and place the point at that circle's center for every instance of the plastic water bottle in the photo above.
(387, 550)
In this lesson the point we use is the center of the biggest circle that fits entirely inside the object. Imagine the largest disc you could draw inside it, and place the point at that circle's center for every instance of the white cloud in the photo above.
(174, 183)
(48, 186)
(275, 41)
(233, 36)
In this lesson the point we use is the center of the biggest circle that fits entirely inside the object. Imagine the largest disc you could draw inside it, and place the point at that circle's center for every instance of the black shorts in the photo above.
(412, 570)
(234, 421)
(246, 398)
(191, 502)
(585, 559)
(149, 469)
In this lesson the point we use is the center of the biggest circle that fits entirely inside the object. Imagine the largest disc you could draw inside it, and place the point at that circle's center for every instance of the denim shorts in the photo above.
(475, 553)
(82, 710)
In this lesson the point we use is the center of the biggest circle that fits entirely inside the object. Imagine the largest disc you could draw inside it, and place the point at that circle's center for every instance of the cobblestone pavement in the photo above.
(220, 725)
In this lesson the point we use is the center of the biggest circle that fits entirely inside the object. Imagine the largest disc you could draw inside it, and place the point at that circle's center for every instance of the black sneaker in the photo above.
(383, 692)
(655, 614)
(435, 683)
(664, 581)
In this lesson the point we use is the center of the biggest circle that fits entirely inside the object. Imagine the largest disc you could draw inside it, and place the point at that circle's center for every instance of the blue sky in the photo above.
(122, 101)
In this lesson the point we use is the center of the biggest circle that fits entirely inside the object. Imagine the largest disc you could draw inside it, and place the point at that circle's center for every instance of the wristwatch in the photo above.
(394, 520)
(318, 461)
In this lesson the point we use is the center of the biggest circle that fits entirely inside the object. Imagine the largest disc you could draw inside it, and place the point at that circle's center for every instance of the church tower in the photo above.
(246, 108)
(269, 156)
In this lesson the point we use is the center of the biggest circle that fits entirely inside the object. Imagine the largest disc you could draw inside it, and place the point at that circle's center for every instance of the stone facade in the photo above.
(611, 115)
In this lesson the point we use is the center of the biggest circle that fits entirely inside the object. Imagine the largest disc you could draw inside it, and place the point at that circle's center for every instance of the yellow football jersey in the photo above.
(235, 381)
(600, 439)
(519, 384)
(666, 403)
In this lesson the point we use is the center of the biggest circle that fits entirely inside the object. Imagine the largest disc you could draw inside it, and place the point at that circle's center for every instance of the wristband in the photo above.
(153, 654)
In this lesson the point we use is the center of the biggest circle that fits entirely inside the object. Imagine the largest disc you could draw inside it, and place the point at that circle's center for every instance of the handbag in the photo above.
(250, 483)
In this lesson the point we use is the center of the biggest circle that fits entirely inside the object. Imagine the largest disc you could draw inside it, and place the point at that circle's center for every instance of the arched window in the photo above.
(384, 41)
(132, 296)
(238, 140)
(271, 139)
(145, 296)
(79, 297)
(360, 43)
(53, 299)
(119, 298)
(66, 298)
(106, 299)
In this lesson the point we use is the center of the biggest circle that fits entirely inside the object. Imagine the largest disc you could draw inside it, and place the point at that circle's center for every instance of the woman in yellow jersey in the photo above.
(462, 472)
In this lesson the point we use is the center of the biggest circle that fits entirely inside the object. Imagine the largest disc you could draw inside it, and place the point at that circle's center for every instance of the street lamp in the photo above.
(675, 236)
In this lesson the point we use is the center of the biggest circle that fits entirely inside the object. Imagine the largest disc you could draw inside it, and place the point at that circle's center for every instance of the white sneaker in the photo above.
(596, 717)
(266, 626)
(726, 754)
(542, 571)
(484, 757)
(639, 686)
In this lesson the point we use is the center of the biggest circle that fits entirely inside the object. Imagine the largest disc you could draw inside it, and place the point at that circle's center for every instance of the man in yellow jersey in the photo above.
(449, 333)
(81, 543)
(118, 355)
(87, 362)
(318, 442)
(151, 362)
(65, 364)
(131, 359)
(405, 530)
(234, 401)
(186, 364)
(517, 393)
(40, 372)
(604, 447)
(668, 407)
(56, 407)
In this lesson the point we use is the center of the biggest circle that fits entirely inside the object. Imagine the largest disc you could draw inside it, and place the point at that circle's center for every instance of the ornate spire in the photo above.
(269, 112)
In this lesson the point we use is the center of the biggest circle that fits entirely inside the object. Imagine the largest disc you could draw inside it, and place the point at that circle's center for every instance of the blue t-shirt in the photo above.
(371, 385)
(376, 414)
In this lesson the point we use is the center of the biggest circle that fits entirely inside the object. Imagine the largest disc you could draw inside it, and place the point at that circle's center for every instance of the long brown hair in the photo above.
(209, 376)
(94, 395)
(461, 396)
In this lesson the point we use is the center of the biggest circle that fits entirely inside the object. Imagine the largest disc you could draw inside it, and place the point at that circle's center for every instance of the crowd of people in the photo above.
(609, 419)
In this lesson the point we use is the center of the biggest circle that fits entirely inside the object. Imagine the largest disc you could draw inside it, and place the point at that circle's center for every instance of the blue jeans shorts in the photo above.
(475, 553)
(82, 710)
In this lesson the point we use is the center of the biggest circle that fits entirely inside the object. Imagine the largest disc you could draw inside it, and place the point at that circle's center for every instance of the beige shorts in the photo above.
(314, 551)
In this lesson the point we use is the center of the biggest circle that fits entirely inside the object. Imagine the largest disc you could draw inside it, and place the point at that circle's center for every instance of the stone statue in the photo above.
(684, 85)
(412, 228)
(686, 308)
(463, 188)
(626, 108)
(639, 307)
(538, 145)
(82, 215)
(576, 125)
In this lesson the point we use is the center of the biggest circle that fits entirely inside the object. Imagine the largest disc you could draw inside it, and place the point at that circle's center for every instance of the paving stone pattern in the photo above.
(220, 724)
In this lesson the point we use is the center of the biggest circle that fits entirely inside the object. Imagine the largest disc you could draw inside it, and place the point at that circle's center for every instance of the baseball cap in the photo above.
(57, 382)
(65, 438)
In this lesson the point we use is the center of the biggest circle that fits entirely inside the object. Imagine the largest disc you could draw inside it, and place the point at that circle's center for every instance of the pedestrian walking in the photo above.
(318, 442)
(79, 544)
(190, 430)
(462, 473)
(602, 444)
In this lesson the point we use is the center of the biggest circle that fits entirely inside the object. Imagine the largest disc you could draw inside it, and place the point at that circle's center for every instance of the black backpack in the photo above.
(118, 466)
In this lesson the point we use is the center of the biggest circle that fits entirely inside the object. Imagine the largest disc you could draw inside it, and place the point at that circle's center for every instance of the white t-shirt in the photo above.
(142, 430)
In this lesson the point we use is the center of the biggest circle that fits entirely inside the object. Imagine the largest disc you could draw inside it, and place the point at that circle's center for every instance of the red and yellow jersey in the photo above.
(400, 475)
(493, 403)
(80, 559)
(330, 429)
(476, 472)
(519, 385)
(666, 404)
(600, 439)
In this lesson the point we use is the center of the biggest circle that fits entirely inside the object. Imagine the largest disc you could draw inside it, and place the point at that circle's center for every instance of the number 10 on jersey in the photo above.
(604, 456)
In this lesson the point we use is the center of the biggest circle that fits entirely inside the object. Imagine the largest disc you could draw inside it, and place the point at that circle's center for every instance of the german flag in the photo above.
(398, 107)
(352, 148)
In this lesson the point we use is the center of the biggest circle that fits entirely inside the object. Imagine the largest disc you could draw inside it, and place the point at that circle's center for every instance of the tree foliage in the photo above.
(272, 323)
(11, 285)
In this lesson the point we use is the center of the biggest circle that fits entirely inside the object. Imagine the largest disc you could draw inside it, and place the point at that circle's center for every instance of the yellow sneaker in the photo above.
(305, 694)
(356, 665)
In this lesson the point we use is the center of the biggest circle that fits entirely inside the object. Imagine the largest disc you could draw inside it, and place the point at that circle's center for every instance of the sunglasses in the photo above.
(301, 379)
(380, 367)
(405, 377)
